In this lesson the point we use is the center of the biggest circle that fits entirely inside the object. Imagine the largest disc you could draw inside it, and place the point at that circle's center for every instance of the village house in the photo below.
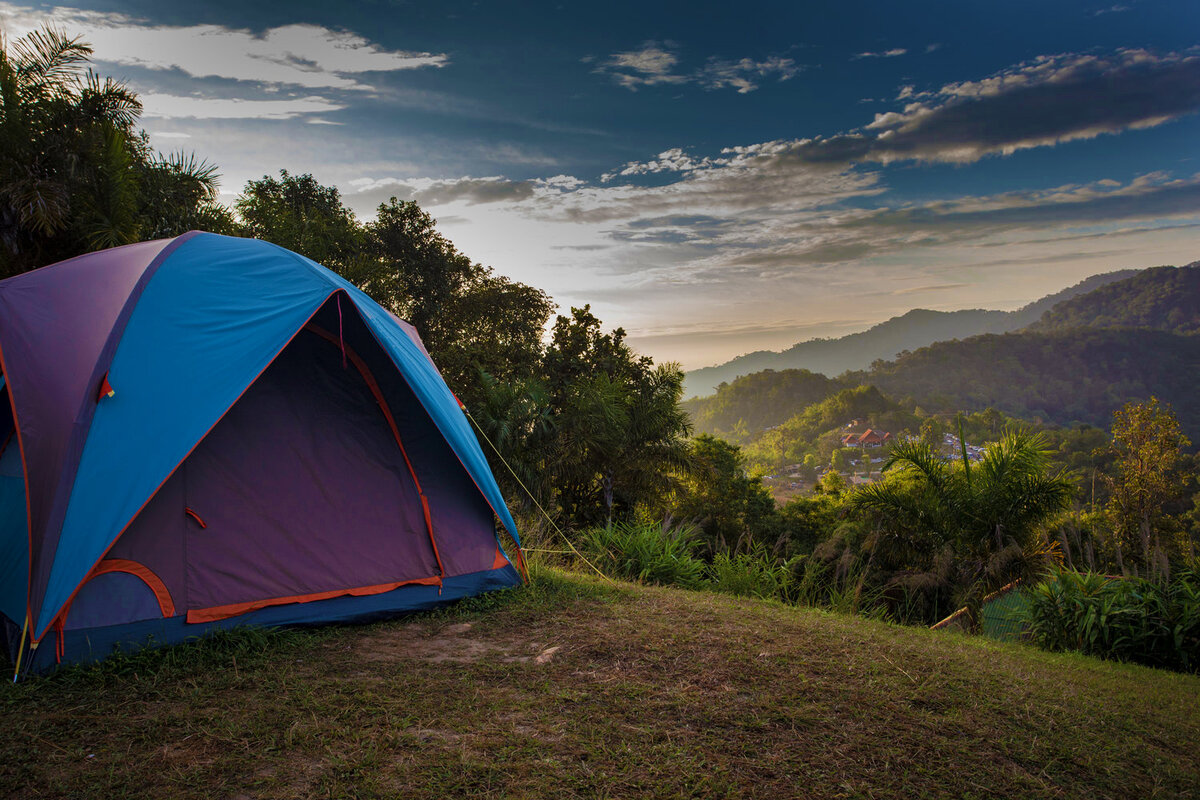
(868, 438)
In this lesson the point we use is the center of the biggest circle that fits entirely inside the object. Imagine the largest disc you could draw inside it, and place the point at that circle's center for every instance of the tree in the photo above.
(733, 510)
(75, 176)
(620, 433)
(296, 212)
(470, 318)
(1148, 447)
(968, 528)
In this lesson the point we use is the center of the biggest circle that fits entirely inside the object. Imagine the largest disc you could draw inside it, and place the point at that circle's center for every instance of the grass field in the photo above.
(575, 688)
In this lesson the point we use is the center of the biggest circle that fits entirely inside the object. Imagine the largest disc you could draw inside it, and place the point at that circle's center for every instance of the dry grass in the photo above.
(575, 689)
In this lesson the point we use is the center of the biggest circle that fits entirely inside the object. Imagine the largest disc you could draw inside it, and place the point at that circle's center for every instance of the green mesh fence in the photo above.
(1001, 616)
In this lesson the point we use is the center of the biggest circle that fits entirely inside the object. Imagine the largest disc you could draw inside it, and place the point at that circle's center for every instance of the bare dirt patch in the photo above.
(450, 643)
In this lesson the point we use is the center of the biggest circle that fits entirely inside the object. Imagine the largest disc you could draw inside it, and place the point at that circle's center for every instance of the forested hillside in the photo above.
(761, 400)
(1088, 355)
(917, 328)
(1072, 376)
(1162, 298)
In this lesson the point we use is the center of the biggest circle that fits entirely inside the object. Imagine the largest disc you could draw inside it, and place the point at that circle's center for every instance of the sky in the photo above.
(714, 178)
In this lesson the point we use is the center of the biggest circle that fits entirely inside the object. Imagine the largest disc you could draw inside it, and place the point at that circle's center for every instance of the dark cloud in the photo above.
(1050, 100)
(472, 191)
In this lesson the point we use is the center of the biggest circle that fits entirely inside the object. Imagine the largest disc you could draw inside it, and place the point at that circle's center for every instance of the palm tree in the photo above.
(975, 526)
(74, 174)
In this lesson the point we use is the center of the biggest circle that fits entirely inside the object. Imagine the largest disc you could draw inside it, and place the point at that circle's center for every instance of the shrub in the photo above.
(646, 553)
(1126, 619)
(754, 574)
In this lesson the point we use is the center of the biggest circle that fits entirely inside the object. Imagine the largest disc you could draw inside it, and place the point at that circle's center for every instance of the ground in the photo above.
(578, 688)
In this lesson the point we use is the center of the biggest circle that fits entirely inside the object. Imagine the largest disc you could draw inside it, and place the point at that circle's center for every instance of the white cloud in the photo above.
(307, 56)
(655, 63)
(168, 106)
(1040, 103)
(896, 51)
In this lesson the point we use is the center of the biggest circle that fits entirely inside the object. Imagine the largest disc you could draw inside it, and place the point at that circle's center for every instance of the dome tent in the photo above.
(208, 431)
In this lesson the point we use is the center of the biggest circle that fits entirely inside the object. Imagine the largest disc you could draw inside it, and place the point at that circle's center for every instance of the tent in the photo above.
(208, 431)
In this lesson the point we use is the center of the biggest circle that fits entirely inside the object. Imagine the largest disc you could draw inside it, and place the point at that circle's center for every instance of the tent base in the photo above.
(95, 644)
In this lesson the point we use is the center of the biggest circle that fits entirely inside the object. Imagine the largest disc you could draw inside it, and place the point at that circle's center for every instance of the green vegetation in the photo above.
(741, 410)
(1062, 378)
(571, 687)
(917, 328)
(75, 174)
(1148, 622)
(1160, 298)
(645, 553)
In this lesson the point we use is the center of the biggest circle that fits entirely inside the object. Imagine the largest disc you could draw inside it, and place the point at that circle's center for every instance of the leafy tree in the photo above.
(471, 318)
(75, 176)
(1148, 446)
(621, 436)
(734, 510)
(296, 212)
(962, 527)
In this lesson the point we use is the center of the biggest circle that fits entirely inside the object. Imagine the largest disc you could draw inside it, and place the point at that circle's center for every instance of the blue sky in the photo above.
(714, 178)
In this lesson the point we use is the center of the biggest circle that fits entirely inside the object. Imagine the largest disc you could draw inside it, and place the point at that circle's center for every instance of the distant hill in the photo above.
(1162, 298)
(1085, 357)
(742, 409)
(917, 328)
(1079, 375)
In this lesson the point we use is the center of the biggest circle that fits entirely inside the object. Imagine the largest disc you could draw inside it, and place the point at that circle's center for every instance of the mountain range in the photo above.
(1086, 355)
(917, 328)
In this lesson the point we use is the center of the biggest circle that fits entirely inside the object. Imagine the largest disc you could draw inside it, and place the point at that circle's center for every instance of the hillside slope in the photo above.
(1162, 298)
(1071, 376)
(917, 328)
(572, 688)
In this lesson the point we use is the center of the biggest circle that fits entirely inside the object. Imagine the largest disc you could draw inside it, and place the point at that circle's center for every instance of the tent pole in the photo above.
(21, 649)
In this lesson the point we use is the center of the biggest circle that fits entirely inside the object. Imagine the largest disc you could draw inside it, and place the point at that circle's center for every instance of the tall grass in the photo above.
(1130, 619)
(645, 553)
(753, 574)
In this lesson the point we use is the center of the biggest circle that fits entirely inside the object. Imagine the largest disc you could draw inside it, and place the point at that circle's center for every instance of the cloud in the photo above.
(936, 287)
(1044, 102)
(431, 192)
(168, 106)
(742, 75)
(306, 56)
(655, 63)
(896, 51)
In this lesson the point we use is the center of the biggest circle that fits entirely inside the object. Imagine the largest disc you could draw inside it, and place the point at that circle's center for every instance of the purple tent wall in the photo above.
(463, 522)
(56, 324)
(302, 488)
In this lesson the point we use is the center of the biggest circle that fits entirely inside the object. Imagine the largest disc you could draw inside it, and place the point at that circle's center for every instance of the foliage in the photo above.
(471, 317)
(733, 510)
(619, 434)
(740, 411)
(1147, 445)
(1130, 619)
(297, 213)
(939, 525)
(1063, 377)
(818, 428)
(645, 553)
(75, 175)
(1162, 298)
(753, 574)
